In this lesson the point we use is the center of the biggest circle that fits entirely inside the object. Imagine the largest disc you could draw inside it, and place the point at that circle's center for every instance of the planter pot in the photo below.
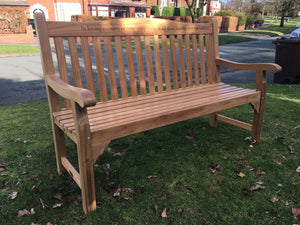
(241, 27)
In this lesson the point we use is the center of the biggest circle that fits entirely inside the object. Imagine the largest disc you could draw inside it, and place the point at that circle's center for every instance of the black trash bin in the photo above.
(288, 57)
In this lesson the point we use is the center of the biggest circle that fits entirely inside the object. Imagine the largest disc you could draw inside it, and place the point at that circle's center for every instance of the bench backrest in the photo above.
(145, 56)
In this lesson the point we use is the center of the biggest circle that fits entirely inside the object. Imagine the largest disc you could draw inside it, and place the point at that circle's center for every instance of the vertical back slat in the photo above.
(62, 64)
(195, 60)
(202, 59)
(210, 58)
(140, 65)
(181, 61)
(159, 79)
(130, 62)
(166, 62)
(174, 62)
(188, 59)
(149, 65)
(111, 68)
(121, 67)
(75, 61)
(216, 49)
(88, 64)
(100, 69)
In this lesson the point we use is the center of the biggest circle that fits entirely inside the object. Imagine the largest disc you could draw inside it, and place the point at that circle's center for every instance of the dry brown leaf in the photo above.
(164, 213)
(298, 169)
(274, 199)
(152, 176)
(241, 175)
(58, 196)
(296, 213)
(13, 195)
(297, 127)
(257, 186)
(23, 212)
(43, 204)
(1, 169)
(26, 212)
(58, 205)
(156, 207)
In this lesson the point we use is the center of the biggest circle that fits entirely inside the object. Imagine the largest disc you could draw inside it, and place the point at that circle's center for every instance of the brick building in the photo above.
(62, 10)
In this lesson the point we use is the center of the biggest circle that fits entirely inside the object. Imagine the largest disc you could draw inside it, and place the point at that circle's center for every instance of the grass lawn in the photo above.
(199, 174)
(17, 49)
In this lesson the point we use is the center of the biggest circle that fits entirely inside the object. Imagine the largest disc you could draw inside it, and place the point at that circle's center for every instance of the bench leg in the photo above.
(60, 147)
(87, 183)
(257, 125)
(213, 120)
(85, 158)
(258, 119)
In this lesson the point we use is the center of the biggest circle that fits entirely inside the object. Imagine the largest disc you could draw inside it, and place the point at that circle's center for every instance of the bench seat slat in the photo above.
(163, 106)
(105, 116)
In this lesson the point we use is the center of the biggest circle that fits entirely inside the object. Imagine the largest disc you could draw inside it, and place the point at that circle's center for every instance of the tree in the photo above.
(196, 8)
(286, 8)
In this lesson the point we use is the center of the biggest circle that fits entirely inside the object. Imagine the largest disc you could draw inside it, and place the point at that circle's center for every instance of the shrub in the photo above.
(250, 19)
(155, 10)
(168, 11)
(185, 12)
(223, 13)
(242, 18)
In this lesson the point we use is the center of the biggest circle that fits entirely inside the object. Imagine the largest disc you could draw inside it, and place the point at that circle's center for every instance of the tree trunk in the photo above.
(282, 21)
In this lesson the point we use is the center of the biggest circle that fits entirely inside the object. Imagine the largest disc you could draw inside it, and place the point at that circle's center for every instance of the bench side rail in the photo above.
(125, 58)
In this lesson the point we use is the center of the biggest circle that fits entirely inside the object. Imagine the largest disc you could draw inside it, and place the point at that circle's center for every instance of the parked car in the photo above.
(31, 22)
(296, 33)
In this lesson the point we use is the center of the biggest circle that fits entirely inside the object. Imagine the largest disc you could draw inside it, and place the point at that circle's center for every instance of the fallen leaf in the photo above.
(57, 205)
(19, 181)
(156, 207)
(1, 169)
(226, 148)
(179, 211)
(152, 176)
(119, 154)
(4, 173)
(250, 146)
(58, 196)
(279, 185)
(23, 212)
(277, 162)
(296, 213)
(298, 169)
(215, 169)
(32, 211)
(241, 175)
(291, 149)
(249, 167)
(189, 187)
(297, 127)
(164, 213)
(286, 203)
(43, 204)
(50, 177)
(274, 199)
(13, 195)
(257, 186)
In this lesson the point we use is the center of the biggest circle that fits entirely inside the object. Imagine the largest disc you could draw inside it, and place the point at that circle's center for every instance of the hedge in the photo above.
(168, 11)
(155, 10)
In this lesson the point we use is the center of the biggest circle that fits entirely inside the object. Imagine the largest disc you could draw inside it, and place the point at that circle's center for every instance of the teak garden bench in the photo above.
(178, 79)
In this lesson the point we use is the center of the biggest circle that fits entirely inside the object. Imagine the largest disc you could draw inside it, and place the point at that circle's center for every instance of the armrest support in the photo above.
(83, 97)
(271, 67)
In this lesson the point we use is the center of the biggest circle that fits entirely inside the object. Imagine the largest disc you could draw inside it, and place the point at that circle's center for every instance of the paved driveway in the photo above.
(21, 78)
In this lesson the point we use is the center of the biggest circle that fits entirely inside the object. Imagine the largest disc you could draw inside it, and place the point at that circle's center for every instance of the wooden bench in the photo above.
(140, 88)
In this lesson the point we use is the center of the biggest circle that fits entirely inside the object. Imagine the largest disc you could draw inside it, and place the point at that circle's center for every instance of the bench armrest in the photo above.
(83, 97)
(271, 67)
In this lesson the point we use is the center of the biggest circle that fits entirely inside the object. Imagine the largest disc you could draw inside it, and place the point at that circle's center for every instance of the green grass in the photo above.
(184, 183)
(17, 49)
